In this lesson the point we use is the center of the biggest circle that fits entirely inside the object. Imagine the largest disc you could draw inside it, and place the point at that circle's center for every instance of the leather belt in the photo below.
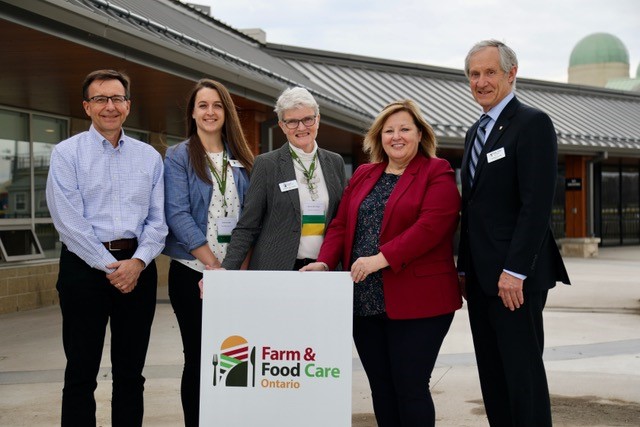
(121, 245)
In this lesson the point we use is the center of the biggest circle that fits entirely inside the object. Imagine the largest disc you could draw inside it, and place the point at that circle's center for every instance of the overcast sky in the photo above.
(440, 32)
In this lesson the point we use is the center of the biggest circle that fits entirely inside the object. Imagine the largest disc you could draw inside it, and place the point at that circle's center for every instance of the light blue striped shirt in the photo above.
(97, 193)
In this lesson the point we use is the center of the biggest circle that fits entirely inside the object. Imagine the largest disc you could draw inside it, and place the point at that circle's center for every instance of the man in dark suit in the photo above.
(508, 258)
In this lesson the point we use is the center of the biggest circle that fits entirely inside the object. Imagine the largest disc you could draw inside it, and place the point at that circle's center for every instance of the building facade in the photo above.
(48, 46)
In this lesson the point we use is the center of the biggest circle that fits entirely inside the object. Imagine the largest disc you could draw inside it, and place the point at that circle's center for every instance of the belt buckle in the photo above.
(113, 249)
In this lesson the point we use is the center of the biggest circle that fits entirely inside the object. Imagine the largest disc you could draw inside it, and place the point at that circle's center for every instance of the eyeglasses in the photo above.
(103, 100)
(294, 123)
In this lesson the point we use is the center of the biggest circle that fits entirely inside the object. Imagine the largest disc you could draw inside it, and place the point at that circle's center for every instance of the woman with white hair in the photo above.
(293, 195)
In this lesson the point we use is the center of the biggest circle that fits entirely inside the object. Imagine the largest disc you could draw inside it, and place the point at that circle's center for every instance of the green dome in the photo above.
(599, 48)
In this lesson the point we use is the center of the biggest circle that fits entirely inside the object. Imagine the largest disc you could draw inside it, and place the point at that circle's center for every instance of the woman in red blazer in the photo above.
(394, 229)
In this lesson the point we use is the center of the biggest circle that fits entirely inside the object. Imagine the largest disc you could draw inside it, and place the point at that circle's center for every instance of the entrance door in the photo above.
(620, 205)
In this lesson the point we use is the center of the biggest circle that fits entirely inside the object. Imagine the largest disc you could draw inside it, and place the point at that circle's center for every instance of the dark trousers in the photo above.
(508, 346)
(398, 357)
(88, 302)
(184, 294)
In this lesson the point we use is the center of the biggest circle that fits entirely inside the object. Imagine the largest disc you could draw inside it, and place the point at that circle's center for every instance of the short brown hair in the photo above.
(373, 140)
(105, 75)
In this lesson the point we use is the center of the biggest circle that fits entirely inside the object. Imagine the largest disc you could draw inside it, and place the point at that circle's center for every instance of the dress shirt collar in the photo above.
(495, 112)
(98, 138)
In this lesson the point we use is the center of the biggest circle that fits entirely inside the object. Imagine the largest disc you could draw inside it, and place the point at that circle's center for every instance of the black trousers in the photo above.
(184, 294)
(88, 302)
(398, 357)
(508, 346)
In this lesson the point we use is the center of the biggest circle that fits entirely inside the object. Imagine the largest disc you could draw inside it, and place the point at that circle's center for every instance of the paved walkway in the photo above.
(592, 353)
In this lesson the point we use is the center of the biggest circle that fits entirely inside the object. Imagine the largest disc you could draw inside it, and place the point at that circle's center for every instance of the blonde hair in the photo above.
(372, 145)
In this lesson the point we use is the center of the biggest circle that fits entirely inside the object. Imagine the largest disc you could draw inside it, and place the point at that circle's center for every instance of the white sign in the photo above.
(276, 349)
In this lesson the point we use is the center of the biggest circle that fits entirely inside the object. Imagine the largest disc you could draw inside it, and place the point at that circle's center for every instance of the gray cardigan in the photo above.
(271, 221)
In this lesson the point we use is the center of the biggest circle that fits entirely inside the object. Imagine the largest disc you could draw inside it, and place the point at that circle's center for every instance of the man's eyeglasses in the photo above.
(103, 100)
(294, 123)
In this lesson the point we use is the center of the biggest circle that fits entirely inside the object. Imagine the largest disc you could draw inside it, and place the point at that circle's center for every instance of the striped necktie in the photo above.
(477, 145)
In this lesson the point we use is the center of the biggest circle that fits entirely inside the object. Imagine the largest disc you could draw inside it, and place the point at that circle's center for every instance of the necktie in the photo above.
(478, 144)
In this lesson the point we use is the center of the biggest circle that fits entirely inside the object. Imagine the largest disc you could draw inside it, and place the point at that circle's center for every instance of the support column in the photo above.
(250, 122)
(577, 242)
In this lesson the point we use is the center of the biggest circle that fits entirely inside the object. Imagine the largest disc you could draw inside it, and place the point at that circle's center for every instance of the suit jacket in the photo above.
(416, 236)
(506, 212)
(187, 200)
(271, 222)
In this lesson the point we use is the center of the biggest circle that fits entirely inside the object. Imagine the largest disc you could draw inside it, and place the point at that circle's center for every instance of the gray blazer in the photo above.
(271, 221)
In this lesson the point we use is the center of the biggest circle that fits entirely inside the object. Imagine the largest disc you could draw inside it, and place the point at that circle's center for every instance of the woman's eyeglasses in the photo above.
(294, 123)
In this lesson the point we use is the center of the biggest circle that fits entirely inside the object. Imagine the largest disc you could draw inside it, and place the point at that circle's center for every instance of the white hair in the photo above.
(296, 97)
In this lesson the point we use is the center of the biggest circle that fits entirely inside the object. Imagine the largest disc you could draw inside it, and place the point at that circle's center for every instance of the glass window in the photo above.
(136, 134)
(173, 140)
(558, 225)
(630, 208)
(41, 202)
(19, 202)
(47, 132)
(49, 240)
(610, 195)
(19, 244)
(26, 143)
(15, 164)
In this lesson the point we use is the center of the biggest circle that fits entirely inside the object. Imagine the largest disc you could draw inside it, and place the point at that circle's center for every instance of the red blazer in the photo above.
(416, 237)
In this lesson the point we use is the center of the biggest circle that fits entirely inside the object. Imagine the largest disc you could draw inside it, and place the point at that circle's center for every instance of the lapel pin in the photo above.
(500, 128)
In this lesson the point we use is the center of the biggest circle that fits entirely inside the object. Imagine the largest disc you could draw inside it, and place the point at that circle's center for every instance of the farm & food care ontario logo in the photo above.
(238, 365)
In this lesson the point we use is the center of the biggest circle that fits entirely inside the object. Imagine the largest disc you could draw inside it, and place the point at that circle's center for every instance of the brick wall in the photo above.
(30, 286)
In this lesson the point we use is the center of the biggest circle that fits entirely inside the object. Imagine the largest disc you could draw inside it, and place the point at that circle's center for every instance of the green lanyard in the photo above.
(220, 180)
(308, 173)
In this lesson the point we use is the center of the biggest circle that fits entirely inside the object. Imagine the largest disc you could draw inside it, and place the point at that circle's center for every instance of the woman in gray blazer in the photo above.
(293, 195)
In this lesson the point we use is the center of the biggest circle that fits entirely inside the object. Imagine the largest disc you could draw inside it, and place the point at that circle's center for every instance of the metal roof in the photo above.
(180, 39)
(352, 89)
(586, 119)
(622, 83)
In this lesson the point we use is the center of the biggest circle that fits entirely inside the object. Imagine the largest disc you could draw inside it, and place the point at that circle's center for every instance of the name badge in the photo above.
(288, 186)
(235, 163)
(313, 208)
(225, 226)
(496, 155)
(313, 219)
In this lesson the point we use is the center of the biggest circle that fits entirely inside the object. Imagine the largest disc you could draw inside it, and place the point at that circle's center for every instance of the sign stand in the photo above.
(276, 348)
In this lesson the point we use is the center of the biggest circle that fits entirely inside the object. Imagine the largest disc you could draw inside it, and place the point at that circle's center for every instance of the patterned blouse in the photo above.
(368, 298)
(216, 211)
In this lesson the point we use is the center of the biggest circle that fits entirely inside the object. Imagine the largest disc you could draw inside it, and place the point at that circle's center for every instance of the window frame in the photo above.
(33, 199)
(25, 257)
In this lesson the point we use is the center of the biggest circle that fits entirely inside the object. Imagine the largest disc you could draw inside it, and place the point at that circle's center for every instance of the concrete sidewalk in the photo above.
(592, 353)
